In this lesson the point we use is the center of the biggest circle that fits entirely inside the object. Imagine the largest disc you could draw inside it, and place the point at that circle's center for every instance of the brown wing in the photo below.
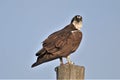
(56, 41)
(65, 42)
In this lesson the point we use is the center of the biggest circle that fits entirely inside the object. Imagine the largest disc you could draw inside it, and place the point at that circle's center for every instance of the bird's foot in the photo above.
(70, 62)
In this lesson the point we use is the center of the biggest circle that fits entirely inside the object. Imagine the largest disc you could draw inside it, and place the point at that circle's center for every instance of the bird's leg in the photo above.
(61, 61)
(68, 60)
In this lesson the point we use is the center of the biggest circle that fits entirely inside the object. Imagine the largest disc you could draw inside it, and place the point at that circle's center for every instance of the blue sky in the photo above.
(24, 24)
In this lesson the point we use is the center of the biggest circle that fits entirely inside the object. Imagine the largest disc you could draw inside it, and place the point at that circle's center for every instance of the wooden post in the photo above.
(70, 72)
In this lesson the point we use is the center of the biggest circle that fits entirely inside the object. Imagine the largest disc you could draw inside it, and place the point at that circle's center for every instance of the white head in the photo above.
(77, 21)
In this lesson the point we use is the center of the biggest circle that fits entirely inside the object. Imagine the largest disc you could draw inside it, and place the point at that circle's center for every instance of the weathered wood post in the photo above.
(70, 72)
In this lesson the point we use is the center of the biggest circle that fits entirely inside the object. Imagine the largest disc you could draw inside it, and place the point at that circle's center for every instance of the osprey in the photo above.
(61, 43)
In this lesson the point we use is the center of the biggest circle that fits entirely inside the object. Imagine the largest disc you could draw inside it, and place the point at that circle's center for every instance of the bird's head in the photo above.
(77, 21)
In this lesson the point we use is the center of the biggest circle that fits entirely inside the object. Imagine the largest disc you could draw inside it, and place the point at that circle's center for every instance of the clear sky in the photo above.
(24, 24)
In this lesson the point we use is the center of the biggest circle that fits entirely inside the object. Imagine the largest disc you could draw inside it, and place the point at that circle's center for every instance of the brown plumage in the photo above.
(61, 43)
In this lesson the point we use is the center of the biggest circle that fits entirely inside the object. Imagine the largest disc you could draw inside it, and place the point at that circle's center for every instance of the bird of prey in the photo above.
(61, 43)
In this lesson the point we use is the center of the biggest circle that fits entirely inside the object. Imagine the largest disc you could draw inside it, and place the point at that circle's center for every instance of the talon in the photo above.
(71, 62)
(68, 60)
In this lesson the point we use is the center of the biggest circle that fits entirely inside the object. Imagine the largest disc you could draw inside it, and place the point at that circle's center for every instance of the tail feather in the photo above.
(35, 64)
(41, 52)
(44, 58)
